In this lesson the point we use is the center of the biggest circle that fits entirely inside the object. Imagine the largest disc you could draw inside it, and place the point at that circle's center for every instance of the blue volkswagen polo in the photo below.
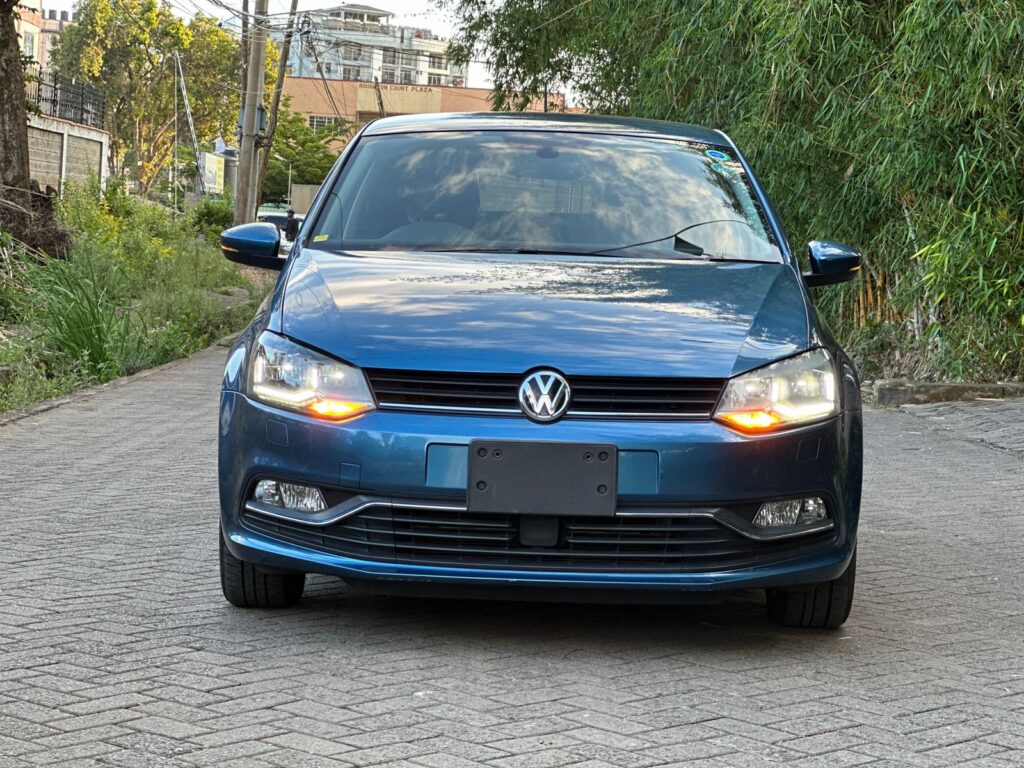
(542, 356)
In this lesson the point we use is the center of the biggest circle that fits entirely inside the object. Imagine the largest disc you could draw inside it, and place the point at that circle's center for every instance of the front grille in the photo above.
(592, 396)
(454, 538)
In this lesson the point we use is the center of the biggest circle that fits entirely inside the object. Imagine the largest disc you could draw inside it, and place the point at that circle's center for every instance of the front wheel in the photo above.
(822, 606)
(247, 586)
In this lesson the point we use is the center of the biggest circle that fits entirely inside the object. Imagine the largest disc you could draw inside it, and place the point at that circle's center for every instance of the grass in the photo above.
(138, 289)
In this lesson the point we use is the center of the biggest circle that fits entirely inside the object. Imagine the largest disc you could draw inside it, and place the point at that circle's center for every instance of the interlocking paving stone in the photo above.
(995, 422)
(117, 649)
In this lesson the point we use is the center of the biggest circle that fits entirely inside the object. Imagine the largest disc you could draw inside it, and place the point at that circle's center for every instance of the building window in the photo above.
(387, 75)
(436, 61)
(351, 73)
(408, 59)
(407, 76)
(354, 52)
(433, 79)
(327, 67)
(390, 56)
(29, 44)
(319, 122)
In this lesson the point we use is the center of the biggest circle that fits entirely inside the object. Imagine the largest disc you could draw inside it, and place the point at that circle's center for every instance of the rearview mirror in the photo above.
(831, 263)
(255, 245)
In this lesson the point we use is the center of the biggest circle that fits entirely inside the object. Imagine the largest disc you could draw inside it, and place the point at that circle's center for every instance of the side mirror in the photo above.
(831, 263)
(255, 245)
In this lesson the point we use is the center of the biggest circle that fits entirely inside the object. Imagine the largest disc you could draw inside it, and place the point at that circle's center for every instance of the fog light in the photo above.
(303, 498)
(794, 512)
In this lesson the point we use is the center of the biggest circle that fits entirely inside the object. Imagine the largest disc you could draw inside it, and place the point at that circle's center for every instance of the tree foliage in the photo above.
(126, 48)
(308, 151)
(894, 125)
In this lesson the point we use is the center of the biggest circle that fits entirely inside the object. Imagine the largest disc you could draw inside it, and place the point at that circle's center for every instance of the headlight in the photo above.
(791, 392)
(289, 376)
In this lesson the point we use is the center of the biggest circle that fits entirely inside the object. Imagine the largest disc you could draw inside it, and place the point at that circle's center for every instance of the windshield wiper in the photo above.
(556, 252)
(681, 245)
(524, 249)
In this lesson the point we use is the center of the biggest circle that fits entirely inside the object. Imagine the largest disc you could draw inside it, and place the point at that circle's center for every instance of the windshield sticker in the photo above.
(725, 170)
(319, 238)
(716, 154)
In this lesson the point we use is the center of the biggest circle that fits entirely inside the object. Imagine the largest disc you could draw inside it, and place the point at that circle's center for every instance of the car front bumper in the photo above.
(415, 460)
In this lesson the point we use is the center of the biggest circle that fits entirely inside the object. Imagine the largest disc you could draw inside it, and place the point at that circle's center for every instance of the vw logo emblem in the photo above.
(544, 395)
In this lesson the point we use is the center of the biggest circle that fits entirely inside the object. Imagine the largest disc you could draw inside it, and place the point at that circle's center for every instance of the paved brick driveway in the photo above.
(116, 647)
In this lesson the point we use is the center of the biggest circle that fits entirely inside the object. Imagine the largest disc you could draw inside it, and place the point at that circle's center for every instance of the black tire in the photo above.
(823, 606)
(247, 586)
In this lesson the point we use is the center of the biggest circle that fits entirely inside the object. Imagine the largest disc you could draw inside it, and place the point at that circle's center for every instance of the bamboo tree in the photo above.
(897, 126)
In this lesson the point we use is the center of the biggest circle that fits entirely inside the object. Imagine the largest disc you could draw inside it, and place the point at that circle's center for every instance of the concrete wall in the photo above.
(60, 151)
(44, 156)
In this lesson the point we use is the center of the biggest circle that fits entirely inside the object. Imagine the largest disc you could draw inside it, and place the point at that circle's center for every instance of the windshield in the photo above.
(531, 191)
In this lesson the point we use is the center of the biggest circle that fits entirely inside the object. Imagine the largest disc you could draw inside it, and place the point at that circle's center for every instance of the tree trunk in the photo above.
(14, 172)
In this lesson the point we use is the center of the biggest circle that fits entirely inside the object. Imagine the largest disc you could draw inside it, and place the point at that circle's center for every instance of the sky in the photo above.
(413, 13)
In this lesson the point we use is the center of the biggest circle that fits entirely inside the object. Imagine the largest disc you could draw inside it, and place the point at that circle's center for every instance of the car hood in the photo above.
(469, 312)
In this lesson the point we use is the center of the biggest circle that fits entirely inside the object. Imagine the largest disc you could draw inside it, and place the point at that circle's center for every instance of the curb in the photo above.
(896, 392)
(48, 405)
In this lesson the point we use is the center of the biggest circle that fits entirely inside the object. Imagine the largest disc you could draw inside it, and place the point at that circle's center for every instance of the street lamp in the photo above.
(285, 160)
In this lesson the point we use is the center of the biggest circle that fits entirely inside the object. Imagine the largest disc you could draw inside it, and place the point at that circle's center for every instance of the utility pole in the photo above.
(245, 192)
(380, 97)
(275, 105)
(174, 151)
(200, 181)
(244, 49)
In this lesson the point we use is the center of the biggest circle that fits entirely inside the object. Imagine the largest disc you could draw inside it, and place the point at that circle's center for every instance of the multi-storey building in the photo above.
(359, 42)
(54, 23)
(330, 102)
(28, 25)
(38, 30)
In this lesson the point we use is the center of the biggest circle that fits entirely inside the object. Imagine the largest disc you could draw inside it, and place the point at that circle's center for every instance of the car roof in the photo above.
(542, 121)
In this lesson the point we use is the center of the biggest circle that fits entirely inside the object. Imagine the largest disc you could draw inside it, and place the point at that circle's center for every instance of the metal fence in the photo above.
(61, 97)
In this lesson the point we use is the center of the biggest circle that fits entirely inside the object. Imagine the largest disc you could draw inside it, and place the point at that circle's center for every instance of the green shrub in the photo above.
(30, 378)
(211, 217)
(139, 288)
(77, 313)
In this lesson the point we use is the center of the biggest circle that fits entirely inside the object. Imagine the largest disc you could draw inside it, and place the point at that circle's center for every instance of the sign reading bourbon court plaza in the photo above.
(398, 87)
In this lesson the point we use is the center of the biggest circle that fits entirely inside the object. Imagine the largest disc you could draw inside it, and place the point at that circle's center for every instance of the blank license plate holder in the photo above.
(522, 477)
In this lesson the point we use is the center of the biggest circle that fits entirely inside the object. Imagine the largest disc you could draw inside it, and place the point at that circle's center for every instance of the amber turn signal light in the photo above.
(751, 421)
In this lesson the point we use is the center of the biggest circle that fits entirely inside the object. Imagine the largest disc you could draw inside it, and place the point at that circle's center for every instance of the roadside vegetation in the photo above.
(895, 126)
(136, 289)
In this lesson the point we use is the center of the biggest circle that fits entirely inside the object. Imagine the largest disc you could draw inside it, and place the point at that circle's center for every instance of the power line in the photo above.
(304, 28)
(330, 39)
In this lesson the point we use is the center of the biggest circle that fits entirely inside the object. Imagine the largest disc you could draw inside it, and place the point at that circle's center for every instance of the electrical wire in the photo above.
(319, 66)
(316, 39)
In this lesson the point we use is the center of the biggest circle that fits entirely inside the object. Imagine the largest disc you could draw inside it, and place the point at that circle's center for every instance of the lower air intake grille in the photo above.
(460, 539)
